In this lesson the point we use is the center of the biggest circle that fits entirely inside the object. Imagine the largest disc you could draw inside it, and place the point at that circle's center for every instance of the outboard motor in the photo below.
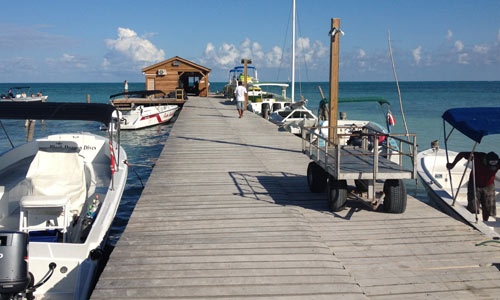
(14, 275)
(265, 110)
(276, 106)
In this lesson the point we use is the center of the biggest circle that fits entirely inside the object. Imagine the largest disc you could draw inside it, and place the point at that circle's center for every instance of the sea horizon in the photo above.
(341, 81)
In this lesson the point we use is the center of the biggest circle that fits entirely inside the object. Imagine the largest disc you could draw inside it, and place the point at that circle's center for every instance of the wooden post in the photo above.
(245, 63)
(245, 72)
(334, 80)
(31, 130)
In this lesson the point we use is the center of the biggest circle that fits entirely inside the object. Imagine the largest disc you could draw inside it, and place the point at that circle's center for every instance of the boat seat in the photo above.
(42, 213)
(58, 190)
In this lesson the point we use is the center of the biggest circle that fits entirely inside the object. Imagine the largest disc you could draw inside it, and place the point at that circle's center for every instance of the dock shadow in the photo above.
(289, 189)
(233, 143)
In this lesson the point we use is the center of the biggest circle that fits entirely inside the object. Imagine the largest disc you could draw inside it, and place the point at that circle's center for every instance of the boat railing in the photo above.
(402, 149)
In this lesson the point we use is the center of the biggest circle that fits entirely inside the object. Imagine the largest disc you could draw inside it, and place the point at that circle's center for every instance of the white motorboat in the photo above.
(144, 116)
(293, 117)
(237, 74)
(263, 98)
(59, 196)
(22, 94)
(448, 188)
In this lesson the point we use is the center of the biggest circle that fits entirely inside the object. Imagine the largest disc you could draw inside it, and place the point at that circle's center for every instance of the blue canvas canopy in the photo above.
(474, 122)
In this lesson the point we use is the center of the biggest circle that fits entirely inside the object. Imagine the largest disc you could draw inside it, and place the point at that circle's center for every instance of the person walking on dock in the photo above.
(239, 94)
(485, 168)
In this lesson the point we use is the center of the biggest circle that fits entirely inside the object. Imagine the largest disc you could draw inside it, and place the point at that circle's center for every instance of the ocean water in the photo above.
(423, 104)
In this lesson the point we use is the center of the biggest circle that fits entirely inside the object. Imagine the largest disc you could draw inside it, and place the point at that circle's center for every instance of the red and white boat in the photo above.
(144, 116)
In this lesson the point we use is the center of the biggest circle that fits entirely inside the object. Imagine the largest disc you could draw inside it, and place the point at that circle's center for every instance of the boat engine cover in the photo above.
(14, 276)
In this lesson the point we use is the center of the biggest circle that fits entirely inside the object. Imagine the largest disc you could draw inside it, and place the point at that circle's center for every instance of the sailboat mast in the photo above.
(293, 51)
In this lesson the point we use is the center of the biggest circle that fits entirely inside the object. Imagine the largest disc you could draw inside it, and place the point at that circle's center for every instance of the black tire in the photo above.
(395, 196)
(337, 194)
(316, 178)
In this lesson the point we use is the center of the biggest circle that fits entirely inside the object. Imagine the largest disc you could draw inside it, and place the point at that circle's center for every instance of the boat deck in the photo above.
(227, 214)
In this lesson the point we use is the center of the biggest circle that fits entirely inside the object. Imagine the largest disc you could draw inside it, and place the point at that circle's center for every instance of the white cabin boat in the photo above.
(145, 116)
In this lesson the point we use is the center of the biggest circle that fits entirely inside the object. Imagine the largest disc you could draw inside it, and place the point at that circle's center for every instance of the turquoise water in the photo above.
(423, 103)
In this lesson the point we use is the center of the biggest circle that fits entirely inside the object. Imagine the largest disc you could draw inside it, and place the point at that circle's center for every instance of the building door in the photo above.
(150, 84)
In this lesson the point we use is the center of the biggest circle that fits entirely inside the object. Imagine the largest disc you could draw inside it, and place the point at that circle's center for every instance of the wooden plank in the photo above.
(227, 213)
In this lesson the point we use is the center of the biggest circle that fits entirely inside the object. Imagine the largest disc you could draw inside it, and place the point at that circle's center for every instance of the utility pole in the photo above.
(245, 62)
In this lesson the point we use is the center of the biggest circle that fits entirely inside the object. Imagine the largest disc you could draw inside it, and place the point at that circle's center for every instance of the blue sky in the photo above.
(109, 41)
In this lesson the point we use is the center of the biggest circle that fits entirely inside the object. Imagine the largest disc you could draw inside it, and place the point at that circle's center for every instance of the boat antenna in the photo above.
(397, 84)
(7, 135)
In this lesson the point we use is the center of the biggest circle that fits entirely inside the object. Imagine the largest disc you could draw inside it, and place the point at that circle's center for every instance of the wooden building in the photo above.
(177, 75)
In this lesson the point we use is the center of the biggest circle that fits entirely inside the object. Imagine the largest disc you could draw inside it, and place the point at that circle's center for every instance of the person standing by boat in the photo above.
(239, 94)
(485, 168)
(125, 88)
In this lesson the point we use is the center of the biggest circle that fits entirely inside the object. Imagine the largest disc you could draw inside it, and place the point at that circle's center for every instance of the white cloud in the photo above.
(361, 58)
(273, 57)
(449, 34)
(105, 63)
(481, 49)
(129, 46)
(417, 55)
(459, 46)
(320, 49)
(309, 52)
(361, 54)
(498, 36)
(67, 58)
(67, 62)
(228, 55)
(463, 58)
(257, 51)
(303, 45)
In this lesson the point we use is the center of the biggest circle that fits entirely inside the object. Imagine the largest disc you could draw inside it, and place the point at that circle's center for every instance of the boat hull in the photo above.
(146, 116)
(26, 99)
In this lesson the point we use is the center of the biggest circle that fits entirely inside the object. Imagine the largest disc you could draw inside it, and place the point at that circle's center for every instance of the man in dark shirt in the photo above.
(485, 169)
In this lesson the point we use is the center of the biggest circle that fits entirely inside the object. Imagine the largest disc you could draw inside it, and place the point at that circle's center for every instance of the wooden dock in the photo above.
(227, 214)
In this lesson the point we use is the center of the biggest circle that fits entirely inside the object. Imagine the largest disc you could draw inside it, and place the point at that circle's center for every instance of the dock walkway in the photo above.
(227, 214)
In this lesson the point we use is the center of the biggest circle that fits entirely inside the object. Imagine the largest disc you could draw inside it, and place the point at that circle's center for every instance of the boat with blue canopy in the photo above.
(449, 187)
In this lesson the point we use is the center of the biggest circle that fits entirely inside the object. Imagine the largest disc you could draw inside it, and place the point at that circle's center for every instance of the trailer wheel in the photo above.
(316, 178)
(395, 196)
(337, 194)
